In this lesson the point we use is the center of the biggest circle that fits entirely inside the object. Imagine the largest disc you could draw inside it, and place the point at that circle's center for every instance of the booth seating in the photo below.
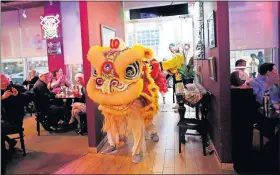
(243, 114)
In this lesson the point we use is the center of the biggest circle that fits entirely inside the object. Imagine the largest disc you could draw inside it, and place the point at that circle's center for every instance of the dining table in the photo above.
(67, 100)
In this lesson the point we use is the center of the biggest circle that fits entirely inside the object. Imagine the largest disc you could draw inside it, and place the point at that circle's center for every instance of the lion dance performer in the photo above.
(119, 75)
(160, 80)
(176, 65)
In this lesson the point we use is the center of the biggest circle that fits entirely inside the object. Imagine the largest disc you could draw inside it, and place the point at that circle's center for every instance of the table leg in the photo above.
(180, 139)
(182, 111)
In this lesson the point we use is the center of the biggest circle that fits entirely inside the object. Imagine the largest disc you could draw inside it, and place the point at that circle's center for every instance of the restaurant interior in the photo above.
(217, 119)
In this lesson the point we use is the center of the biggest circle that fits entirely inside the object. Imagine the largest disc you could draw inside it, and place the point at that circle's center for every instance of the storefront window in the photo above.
(39, 64)
(17, 69)
(13, 68)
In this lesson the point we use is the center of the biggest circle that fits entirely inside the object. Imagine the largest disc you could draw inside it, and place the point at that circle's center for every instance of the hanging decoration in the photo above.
(199, 30)
(50, 26)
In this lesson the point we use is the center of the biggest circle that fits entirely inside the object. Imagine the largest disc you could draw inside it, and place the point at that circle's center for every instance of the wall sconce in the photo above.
(24, 14)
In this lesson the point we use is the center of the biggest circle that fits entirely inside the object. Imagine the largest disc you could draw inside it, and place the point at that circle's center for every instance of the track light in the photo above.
(24, 14)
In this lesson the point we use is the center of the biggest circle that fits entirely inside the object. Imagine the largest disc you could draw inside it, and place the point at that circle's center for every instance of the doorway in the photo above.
(158, 33)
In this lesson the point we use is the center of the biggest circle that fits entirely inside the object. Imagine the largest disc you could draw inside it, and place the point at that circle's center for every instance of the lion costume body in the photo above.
(122, 86)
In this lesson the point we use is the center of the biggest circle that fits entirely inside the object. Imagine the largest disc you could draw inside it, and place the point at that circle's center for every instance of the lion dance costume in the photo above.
(122, 86)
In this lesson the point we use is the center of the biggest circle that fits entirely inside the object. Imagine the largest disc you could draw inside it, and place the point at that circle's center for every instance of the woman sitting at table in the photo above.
(79, 103)
(59, 80)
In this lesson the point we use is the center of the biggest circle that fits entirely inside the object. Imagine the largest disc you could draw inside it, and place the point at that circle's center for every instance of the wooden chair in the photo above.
(19, 131)
(200, 124)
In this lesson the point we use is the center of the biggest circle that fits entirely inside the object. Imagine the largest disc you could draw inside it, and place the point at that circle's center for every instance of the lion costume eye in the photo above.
(132, 71)
(93, 72)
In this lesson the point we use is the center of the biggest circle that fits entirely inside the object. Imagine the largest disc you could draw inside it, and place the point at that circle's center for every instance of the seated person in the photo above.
(13, 99)
(59, 80)
(79, 103)
(31, 80)
(239, 77)
(43, 103)
(266, 82)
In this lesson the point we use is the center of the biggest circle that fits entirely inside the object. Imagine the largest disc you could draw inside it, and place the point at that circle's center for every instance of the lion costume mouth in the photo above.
(119, 107)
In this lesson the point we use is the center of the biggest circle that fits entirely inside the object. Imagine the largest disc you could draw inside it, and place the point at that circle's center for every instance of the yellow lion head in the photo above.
(116, 79)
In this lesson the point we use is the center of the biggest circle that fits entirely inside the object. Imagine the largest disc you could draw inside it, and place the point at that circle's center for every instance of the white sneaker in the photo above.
(136, 158)
(175, 107)
(155, 137)
(109, 150)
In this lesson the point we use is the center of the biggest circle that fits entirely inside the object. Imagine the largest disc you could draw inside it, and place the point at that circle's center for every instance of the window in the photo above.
(18, 69)
(145, 37)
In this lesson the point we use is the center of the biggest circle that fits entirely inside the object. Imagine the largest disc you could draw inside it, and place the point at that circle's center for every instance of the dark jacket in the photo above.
(42, 96)
(31, 82)
(13, 106)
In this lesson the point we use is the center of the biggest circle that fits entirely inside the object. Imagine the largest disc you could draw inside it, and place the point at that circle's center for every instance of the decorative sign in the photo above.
(199, 28)
(54, 48)
(50, 26)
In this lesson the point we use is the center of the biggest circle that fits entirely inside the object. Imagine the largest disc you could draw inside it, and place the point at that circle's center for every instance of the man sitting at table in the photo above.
(266, 82)
(43, 103)
(13, 99)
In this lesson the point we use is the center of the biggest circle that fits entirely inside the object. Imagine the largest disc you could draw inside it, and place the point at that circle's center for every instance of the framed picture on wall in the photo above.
(107, 33)
(54, 48)
(211, 26)
(212, 68)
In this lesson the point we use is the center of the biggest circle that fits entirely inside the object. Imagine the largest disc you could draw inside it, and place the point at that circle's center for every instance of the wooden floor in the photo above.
(159, 158)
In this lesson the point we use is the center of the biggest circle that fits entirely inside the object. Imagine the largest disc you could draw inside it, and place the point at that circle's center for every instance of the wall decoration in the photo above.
(211, 25)
(50, 26)
(107, 33)
(199, 30)
(54, 48)
(212, 68)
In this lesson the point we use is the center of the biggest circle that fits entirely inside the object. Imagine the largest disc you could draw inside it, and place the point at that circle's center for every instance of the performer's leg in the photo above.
(137, 126)
(112, 143)
(152, 131)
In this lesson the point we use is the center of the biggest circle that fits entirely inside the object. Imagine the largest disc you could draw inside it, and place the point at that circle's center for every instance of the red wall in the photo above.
(93, 14)
(219, 116)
